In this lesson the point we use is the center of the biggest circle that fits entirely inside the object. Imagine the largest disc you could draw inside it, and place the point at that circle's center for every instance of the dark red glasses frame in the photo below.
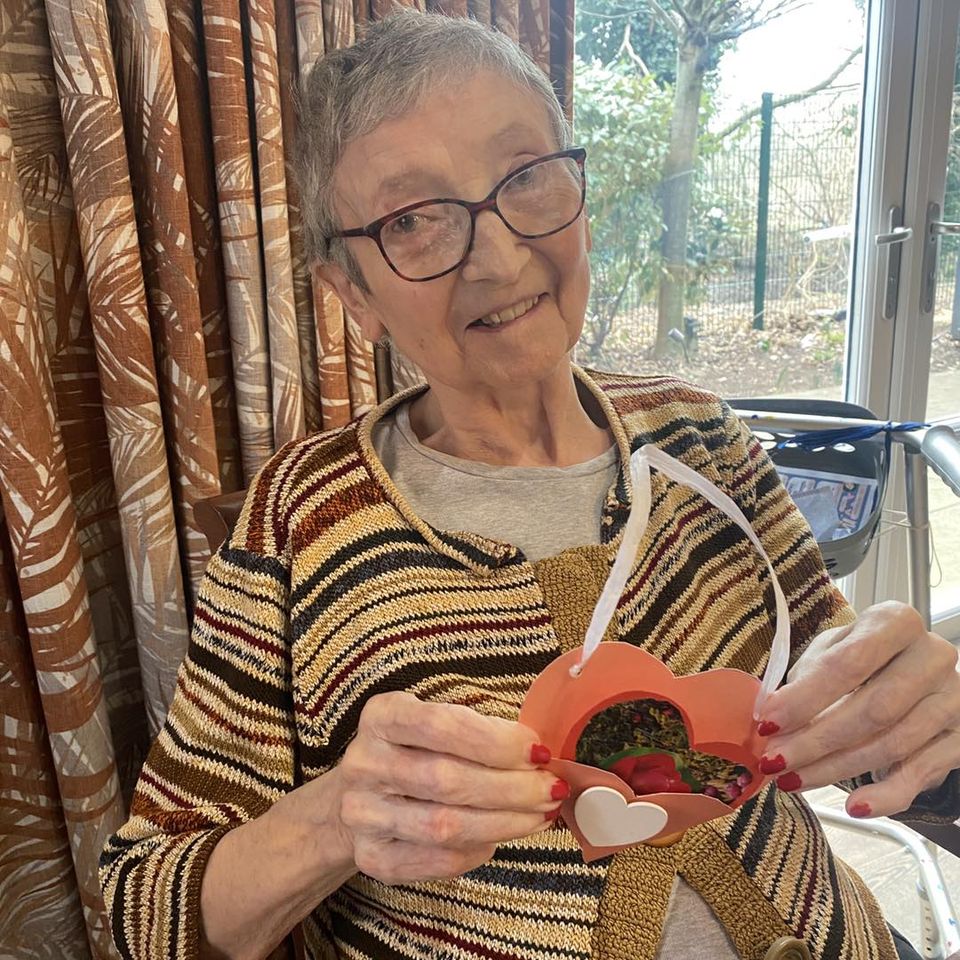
(373, 230)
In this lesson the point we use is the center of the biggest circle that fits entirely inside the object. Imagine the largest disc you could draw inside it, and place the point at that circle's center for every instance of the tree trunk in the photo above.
(677, 185)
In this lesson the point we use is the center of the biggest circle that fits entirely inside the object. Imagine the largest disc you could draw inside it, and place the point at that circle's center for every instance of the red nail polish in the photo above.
(560, 790)
(539, 754)
(860, 810)
(773, 764)
(768, 728)
(789, 781)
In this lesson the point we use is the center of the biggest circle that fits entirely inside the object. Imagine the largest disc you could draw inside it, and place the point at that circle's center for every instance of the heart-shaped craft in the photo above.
(560, 706)
(605, 817)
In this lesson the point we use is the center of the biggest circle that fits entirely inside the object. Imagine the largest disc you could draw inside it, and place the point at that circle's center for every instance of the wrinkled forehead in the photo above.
(449, 144)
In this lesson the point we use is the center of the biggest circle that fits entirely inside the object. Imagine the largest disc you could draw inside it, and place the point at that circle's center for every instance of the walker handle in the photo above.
(941, 449)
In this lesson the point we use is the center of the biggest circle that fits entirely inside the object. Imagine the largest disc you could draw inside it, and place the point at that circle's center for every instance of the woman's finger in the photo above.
(922, 725)
(402, 719)
(882, 712)
(902, 783)
(440, 825)
(828, 671)
(442, 778)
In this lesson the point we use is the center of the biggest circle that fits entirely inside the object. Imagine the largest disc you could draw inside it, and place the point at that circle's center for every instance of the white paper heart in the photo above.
(606, 819)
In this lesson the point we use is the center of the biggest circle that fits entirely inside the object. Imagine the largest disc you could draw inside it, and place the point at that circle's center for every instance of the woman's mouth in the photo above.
(494, 321)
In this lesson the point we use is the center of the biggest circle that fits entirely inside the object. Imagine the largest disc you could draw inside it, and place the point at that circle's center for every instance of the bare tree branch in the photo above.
(755, 18)
(724, 15)
(687, 18)
(623, 14)
(627, 48)
(793, 97)
(666, 19)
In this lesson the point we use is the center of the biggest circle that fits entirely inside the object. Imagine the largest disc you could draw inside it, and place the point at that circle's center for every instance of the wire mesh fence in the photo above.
(812, 192)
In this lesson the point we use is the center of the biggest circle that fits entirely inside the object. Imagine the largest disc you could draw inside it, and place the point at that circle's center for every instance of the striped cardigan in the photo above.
(331, 590)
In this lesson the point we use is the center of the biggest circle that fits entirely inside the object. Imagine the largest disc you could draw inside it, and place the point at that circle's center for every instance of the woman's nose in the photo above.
(496, 254)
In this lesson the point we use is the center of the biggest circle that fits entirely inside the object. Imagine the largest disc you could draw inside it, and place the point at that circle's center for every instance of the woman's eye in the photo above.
(407, 223)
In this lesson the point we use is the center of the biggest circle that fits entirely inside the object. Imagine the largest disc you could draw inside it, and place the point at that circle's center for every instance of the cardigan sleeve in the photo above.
(815, 602)
(225, 754)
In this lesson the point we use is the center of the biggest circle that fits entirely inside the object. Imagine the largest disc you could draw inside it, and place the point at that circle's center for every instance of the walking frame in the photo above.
(938, 447)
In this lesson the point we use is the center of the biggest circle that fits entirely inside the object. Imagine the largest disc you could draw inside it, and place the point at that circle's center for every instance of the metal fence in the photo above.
(812, 188)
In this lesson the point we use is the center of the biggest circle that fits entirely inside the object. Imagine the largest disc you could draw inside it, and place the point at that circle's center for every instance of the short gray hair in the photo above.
(349, 92)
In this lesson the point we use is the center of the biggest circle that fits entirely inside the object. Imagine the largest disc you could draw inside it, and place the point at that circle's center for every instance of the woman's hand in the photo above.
(880, 695)
(428, 790)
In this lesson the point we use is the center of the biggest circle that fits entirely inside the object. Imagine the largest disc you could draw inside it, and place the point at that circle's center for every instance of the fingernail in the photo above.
(768, 728)
(552, 814)
(539, 754)
(860, 810)
(773, 764)
(560, 790)
(789, 781)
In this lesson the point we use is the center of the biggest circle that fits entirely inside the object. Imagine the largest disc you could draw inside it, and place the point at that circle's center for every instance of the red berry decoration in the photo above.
(645, 743)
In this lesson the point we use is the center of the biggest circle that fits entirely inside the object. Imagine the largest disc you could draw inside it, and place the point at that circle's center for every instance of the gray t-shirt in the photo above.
(509, 504)
(543, 511)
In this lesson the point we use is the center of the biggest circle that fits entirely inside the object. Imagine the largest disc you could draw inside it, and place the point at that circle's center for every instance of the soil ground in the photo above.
(791, 356)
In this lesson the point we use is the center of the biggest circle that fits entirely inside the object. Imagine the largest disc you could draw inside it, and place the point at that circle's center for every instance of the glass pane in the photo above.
(943, 397)
(722, 248)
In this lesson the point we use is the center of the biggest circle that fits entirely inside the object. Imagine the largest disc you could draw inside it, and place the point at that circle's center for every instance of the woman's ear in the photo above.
(354, 299)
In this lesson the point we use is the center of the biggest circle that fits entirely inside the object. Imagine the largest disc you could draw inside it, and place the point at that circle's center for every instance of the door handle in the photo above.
(896, 231)
(943, 228)
(896, 234)
(899, 235)
(931, 249)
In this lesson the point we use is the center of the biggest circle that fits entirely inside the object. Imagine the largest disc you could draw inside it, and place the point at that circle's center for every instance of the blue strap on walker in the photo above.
(815, 439)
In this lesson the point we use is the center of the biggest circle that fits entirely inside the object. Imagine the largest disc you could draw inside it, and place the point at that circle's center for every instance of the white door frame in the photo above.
(908, 97)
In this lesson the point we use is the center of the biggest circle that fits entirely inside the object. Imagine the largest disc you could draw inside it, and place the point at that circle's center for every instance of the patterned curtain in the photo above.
(160, 338)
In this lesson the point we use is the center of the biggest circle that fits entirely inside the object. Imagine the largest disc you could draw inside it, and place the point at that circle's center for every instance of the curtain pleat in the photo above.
(190, 73)
(37, 883)
(533, 19)
(480, 10)
(148, 97)
(321, 26)
(41, 521)
(505, 16)
(362, 378)
(52, 235)
(239, 229)
(289, 70)
(452, 8)
(332, 350)
(93, 128)
(161, 335)
(288, 420)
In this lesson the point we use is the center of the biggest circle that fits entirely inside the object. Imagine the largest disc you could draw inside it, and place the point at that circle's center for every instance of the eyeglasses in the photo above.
(431, 238)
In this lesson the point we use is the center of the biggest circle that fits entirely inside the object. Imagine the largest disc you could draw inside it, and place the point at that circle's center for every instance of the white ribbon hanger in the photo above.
(640, 463)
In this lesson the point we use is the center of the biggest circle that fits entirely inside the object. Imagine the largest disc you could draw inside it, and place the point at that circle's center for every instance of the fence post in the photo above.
(763, 209)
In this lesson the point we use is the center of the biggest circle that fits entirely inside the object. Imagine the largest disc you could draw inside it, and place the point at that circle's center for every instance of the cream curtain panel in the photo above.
(160, 338)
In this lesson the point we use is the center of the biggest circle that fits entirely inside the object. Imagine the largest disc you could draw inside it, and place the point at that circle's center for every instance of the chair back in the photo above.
(217, 516)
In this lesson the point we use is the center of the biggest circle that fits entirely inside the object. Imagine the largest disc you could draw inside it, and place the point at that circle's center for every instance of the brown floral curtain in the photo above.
(160, 338)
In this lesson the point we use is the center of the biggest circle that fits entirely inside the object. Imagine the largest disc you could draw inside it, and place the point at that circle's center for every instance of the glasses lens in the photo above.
(543, 198)
(427, 240)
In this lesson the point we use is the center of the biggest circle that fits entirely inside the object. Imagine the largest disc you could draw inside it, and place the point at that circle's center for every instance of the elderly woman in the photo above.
(343, 751)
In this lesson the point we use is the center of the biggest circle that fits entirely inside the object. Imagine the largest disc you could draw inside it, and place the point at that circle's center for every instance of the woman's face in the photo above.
(459, 144)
